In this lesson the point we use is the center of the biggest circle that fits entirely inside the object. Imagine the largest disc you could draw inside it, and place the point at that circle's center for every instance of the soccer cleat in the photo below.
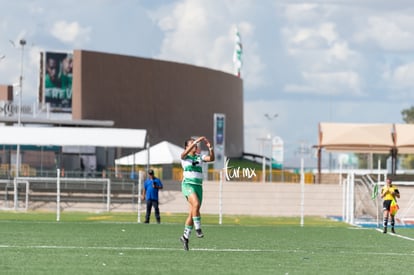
(184, 240)
(199, 233)
(392, 230)
(385, 230)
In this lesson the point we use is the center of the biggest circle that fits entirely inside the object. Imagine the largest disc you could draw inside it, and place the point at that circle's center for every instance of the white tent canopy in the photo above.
(161, 153)
(73, 136)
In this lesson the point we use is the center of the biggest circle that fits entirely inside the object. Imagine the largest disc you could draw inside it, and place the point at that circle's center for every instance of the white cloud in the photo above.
(391, 31)
(305, 12)
(71, 32)
(306, 38)
(404, 75)
(202, 33)
(334, 82)
(303, 89)
(340, 51)
(187, 36)
(327, 83)
(327, 63)
(401, 80)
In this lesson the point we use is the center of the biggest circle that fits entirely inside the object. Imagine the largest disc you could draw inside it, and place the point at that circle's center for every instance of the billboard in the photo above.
(57, 80)
(219, 140)
(277, 152)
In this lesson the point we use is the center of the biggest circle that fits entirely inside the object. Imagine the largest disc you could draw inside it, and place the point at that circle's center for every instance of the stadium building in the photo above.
(172, 101)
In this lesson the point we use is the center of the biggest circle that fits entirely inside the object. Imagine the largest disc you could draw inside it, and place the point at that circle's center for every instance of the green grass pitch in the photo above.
(114, 243)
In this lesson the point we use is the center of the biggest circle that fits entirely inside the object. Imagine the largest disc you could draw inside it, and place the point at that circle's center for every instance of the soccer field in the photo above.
(33, 243)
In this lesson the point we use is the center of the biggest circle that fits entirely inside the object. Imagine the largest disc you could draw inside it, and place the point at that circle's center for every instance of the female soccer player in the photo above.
(192, 184)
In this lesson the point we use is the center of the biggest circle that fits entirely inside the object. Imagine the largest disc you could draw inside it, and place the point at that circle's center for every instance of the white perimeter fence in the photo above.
(349, 199)
(29, 193)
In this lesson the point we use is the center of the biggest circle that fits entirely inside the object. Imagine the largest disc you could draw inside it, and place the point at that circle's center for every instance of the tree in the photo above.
(408, 115)
(407, 161)
(363, 160)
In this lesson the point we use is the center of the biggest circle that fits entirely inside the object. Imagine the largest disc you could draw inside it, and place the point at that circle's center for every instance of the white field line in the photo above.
(397, 235)
(237, 250)
(133, 248)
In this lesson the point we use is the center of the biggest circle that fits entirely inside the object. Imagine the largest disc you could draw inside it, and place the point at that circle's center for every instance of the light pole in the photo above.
(270, 118)
(19, 120)
(263, 140)
(19, 110)
(304, 150)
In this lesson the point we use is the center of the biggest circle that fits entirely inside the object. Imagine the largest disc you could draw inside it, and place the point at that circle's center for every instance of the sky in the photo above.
(304, 62)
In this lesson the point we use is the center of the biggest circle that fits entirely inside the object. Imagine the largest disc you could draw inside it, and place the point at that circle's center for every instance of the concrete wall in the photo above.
(238, 198)
(276, 199)
(269, 199)
(172, 101)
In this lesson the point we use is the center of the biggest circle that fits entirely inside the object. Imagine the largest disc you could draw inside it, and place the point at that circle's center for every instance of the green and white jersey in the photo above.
(193, 171)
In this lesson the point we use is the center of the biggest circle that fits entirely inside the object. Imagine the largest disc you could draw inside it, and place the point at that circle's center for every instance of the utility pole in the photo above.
(19, 120)
(270, 118)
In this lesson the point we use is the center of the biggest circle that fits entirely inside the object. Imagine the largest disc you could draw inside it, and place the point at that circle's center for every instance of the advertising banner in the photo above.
(219, 140)
(57, 80)
(277, 153)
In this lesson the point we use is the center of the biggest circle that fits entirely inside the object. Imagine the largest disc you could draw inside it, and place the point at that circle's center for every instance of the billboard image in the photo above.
(57, 80)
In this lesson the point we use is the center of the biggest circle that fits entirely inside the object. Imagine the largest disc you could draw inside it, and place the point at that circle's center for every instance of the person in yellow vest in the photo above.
(389, 193)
